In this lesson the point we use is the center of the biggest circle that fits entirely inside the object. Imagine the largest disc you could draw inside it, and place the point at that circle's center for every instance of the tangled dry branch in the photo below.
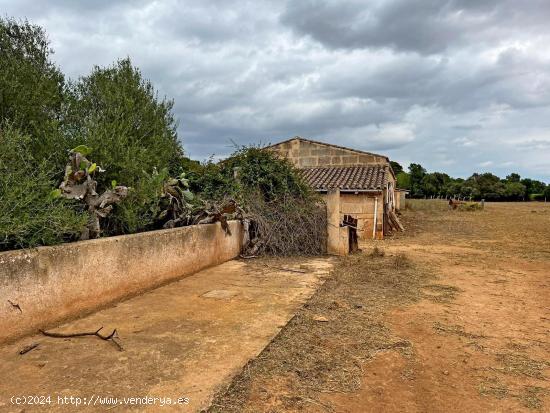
(284, 227)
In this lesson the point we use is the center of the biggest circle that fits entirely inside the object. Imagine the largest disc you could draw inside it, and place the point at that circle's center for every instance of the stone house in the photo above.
(364, 181)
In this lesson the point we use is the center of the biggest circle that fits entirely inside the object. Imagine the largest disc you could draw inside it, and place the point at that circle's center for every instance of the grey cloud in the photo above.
(353, 24)
(425, 26)
(448, 84)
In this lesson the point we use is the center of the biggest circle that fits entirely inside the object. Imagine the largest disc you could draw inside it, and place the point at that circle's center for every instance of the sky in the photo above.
(459, 86)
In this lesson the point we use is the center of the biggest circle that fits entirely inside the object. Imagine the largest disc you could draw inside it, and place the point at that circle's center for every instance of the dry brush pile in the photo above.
(281, 215)
(285, 227)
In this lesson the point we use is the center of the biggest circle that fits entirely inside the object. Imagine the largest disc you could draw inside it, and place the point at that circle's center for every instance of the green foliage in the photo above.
(258, 169)
(478, 186)
(118, 113)
(133, 133)
(141, 208)
(397, 168)
(537, 197)
(434, 183)
(83, 150)
(533, 187)
(249, 170)
(416, 173)
(211, 180)
(513, 177)
(514, 191)
(31, 89)
(31, 211)
(403, 180)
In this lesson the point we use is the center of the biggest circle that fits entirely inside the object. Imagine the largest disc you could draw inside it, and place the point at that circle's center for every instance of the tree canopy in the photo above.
(31, 86)
(478, 186)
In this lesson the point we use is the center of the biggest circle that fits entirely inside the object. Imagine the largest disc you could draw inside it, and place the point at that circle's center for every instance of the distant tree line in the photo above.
(423, 184)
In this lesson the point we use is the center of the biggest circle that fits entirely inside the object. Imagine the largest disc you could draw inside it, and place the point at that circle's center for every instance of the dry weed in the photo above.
(313, 357)
(521, 365)
(377, 252)
(456, 330)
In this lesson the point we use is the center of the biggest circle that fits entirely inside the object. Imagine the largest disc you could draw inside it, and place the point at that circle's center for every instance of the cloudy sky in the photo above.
(456, 85)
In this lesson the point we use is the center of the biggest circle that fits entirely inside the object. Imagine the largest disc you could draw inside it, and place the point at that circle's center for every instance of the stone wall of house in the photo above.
(361, 206)
(303, 154)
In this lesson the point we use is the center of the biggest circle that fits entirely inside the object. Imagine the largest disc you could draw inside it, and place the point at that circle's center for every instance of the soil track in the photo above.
(453, 316)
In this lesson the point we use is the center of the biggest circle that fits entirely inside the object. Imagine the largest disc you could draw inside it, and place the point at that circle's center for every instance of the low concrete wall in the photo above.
(52, 284)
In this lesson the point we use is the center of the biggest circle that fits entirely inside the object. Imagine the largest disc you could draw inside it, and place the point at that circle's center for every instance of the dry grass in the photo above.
(434, 205)
(377, 252)
(520, 365)
(440, 293)
(456, 330)
(529, 396)
(492, 386)
(313, 357)
(426, 205)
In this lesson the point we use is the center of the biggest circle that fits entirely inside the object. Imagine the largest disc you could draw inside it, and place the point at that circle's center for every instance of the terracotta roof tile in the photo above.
(352, 178)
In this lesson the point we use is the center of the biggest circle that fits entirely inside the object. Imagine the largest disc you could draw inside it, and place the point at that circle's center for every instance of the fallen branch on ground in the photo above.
(28, 348)
(15, 305)
(285, 269)
(111, 337)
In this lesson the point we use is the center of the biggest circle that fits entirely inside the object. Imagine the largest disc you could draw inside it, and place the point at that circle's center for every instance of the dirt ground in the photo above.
(181, 341)
(451, 316)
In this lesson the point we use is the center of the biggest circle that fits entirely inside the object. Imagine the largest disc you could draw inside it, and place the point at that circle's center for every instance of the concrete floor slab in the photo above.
(178, 343)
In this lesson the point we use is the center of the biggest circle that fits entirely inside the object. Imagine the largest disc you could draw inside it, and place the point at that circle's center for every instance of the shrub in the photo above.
(138, 211)
(249, 172)
(118, 114)
(259, 169)
(470, 206)
(536, 197)
(29, 214)
(212, 181)
(133, 136)
(32, 90)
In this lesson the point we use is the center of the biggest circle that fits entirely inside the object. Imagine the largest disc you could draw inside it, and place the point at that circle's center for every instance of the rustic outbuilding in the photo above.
(364, 181)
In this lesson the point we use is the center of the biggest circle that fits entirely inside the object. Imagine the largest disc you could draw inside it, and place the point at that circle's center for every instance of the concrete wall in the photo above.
(52, 284)
(303, 154)
(399, 199)
(361, 207)
(337, 236)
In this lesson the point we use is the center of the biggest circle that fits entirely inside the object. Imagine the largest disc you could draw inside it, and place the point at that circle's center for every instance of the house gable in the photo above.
(304, 153)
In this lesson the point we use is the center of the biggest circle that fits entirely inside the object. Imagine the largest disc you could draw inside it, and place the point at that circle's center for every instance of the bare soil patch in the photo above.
(451, 316)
